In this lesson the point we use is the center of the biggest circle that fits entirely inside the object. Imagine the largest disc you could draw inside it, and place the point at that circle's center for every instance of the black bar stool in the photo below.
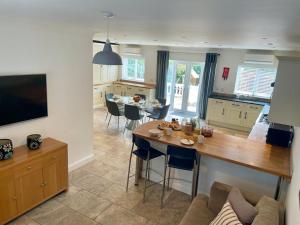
(145, 152)
(183, 159)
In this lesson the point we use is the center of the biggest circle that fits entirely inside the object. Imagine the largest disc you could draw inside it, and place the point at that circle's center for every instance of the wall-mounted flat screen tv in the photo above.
(22, 97)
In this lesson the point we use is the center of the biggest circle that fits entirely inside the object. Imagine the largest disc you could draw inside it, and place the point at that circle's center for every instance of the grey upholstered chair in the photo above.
(114, 110)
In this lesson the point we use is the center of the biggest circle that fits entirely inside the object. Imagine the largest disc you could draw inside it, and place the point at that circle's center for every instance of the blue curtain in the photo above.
(207, 82)
(161, 73)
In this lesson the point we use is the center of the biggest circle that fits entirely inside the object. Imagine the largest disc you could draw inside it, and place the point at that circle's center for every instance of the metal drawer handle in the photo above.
(245, 115)
(28, 167)
(14, 198)
(223, 111)
(240, 114)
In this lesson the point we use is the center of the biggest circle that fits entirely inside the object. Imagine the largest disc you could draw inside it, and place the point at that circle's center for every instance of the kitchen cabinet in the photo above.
(99, 94)
(232, 114)
(32, 177)
(131, 90)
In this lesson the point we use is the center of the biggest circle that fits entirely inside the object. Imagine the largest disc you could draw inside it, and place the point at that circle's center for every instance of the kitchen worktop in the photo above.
(136, 84)
(235, 98)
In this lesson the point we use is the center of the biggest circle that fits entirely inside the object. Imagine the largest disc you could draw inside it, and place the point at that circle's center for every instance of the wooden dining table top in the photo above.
(238, 150)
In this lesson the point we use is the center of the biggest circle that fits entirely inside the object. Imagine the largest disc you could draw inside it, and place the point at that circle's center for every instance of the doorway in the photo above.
(183, 86)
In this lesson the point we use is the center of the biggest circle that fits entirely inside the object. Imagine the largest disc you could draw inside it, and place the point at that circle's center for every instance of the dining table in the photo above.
(242, 151)
(144, 106)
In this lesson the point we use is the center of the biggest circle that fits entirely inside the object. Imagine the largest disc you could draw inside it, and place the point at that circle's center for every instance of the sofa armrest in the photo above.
(198, 212)
(268, 212)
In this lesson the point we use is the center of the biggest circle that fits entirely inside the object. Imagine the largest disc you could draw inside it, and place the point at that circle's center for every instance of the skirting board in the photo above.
(81, 162)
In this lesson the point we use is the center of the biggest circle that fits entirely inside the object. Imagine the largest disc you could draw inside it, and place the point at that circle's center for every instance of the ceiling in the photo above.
(249, 24)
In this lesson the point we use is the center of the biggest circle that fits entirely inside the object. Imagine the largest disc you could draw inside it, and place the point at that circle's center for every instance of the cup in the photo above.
(201, 139)
(168, 131)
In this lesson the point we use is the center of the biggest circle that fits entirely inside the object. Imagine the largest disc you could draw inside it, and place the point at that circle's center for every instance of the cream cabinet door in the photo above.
(251, 114)
(235, 113)
(216, 110)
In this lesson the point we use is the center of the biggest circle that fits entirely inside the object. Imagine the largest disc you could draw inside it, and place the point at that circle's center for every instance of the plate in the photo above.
(186, 142)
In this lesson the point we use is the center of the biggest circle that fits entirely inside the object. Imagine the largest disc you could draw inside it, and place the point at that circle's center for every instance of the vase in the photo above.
(6, 149)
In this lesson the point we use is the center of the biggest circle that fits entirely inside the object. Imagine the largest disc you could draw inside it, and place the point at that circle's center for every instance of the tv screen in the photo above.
(22, 97)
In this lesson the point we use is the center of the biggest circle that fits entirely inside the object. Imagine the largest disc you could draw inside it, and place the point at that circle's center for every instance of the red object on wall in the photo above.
(225, 73)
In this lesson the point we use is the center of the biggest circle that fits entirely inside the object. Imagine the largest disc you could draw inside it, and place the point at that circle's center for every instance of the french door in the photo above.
(183, 85)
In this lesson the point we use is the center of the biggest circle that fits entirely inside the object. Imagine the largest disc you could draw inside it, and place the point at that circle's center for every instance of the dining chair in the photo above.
(179, 158)
(162, 101)
(132, 113)
(145, 152)
(160, 114)
(108, 96)
(142, 96)
(114, 110)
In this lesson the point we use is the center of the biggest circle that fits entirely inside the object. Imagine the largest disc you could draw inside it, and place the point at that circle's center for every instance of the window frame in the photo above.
(254, 66)
(124, 68)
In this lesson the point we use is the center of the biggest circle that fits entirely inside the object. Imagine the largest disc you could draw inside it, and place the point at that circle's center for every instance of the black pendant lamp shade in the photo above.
(107, 56)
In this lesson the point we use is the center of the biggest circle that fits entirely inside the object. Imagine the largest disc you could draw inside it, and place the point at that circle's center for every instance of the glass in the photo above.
(179, 86)
(194, 82)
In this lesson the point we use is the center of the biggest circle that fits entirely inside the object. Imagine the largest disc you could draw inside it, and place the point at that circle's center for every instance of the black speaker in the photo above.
(34, 141)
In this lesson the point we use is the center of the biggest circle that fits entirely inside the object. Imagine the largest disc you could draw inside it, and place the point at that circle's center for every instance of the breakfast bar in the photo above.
(244, 152)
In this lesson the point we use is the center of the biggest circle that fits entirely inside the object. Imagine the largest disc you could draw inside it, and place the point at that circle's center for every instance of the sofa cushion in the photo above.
(198, 212)
(268, 212)
(226, 216)
(244, 210)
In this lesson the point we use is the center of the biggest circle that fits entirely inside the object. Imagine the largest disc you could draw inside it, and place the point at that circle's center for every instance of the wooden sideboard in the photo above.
(31, 177)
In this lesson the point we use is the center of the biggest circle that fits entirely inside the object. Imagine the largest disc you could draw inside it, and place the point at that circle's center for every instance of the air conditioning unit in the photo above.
(131, 50)
(260, 59)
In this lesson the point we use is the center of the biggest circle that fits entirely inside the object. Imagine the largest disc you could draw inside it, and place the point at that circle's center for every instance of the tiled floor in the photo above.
(97, 191)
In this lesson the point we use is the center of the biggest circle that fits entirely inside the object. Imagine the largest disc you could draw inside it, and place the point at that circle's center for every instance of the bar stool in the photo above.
(179, 158)
(146, 153)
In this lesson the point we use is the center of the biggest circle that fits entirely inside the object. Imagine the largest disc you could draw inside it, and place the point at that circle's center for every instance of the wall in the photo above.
(292, 201)
(228, 58)
(64, 53)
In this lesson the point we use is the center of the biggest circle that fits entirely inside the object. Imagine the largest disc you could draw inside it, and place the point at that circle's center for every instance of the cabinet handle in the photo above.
(235, 104)
(42, 185)
(28, 167)
(101, 94)
(218, 102)
(223, 111)
(53, 157)
(240, 114)
(245, 115)
(14, 198)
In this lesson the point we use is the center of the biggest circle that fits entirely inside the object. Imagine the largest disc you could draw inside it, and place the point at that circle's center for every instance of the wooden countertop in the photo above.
(135, 84)
(243, 151)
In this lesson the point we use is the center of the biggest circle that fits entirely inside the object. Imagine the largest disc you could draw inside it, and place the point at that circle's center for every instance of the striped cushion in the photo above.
(226, 216)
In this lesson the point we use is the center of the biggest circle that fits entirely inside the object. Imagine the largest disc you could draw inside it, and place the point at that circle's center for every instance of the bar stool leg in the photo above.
(168, 184)
(146, 174)
(125, 126)
(106, 115)
(164, 184)
(129, 167)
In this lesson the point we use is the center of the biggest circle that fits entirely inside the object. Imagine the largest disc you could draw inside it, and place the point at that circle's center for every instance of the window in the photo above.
(255, 81)
(133, 68)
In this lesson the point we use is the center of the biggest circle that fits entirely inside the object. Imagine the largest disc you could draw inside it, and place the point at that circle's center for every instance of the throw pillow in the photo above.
(226, 216)
(243, 209)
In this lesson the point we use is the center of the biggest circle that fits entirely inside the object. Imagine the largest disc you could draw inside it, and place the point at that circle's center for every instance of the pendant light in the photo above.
(107, 56)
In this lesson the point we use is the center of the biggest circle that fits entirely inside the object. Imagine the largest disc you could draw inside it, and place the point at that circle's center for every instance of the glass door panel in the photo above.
(194, 86)
(181, 71)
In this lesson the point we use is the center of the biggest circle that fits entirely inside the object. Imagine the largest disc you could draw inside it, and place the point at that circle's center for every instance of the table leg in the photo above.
(138, 170)
(277, 190)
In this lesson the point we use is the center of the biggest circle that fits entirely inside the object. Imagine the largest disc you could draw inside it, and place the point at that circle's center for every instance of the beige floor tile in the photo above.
(93, 184)
(87, 204)
(116, 215)
(119, 196)
(23, 220)
(67, 194)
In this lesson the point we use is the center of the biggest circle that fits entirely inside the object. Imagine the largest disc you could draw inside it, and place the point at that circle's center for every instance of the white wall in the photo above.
(292, 202)
(65, 55)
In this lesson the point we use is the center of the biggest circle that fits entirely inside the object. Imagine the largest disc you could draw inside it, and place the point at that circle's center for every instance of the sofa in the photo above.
(204, 209)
